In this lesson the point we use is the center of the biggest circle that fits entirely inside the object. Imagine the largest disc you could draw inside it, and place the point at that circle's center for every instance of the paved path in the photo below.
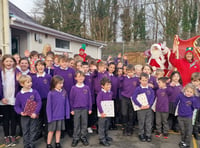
(119, 141)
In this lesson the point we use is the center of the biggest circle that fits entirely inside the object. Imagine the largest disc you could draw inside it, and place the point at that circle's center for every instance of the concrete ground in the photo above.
(119, 141)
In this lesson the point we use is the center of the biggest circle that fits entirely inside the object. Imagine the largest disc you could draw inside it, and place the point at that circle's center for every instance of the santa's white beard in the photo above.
(158, 56)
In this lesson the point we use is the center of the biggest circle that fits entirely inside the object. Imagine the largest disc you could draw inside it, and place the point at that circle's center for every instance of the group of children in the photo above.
(65, 89)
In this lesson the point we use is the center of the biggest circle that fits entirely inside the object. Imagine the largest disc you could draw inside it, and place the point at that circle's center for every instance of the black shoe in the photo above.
(148, 139)
(196, 136)
(49, 146)
(58, 145)
(142, 138)
(74, 143)
(109, 139)
(84, 141)
(104, 143)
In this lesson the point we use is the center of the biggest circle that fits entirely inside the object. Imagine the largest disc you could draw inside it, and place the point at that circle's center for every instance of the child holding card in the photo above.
(29, 116)
(145, 114)
(104, 95)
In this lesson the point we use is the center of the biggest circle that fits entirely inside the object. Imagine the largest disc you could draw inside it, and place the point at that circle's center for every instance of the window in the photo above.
(62, 44)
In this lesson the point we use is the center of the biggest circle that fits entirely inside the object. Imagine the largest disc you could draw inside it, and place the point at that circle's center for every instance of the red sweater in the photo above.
(184, 67)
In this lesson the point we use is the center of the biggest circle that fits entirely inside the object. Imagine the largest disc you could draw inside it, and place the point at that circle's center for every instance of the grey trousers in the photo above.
(161, 120)
(80, 123)
(103, 127)
(29, 131)
(145, 122)
(186, 129)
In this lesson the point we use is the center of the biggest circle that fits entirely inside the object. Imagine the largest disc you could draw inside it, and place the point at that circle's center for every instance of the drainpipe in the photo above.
(4, 27)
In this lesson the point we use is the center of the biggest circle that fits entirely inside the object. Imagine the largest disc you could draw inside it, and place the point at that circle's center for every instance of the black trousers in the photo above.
(128, 114)
(9, 120)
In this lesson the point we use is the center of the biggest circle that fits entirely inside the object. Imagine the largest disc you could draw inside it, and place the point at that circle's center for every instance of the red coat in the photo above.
(83, 56)
(184, 67)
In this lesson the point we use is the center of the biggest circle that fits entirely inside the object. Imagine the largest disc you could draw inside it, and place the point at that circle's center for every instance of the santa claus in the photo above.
(159, 57)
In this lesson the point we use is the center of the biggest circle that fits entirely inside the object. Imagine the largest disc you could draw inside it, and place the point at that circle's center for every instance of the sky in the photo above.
(25, 5)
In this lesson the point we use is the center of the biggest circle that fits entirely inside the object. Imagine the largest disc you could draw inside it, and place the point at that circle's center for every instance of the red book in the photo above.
(30, 107)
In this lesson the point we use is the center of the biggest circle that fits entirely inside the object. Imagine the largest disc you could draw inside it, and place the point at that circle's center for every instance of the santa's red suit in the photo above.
(184, 67)
(159, 57)
(83, 56)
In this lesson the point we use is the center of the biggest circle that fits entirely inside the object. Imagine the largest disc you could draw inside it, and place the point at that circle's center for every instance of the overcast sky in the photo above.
(25, 5)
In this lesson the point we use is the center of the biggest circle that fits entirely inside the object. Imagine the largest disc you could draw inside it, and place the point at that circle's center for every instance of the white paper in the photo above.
(153, 107)
(108, 108)
(142, 99)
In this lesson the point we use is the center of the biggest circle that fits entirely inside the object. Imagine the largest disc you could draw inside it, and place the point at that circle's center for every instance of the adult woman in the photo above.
(186, 66)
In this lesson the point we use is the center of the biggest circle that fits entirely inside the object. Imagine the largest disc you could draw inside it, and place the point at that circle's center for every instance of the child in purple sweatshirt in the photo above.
(162, 107)
(28, 123)
(145, 114)
(57, 110)
(104, 95)
(81, 106)
(186, 102)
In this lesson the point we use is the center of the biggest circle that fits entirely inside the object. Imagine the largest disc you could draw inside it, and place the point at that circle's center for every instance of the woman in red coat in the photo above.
(186, 66)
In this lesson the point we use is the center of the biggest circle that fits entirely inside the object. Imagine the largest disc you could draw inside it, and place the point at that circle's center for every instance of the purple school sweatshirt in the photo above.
(42, 84)
(22, 97)
(57, 105)
(103, 96)
(80, 98)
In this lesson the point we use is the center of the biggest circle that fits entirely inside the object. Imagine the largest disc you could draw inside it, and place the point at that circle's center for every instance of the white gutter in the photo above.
(17, 22)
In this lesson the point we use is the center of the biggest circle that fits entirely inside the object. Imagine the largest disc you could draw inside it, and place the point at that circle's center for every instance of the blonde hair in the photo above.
(24, 78)
(191, 86)
(138, 66)
(159, 71)
(46, 49)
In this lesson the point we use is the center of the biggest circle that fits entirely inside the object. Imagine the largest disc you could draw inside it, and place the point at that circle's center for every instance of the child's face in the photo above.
(71, 63)
(79, 66)
(124, 70)
(27, 84)
(147, 70)
(111, 68)
(196, 83)
(161, 84)
(49, 62)
(24, 65)
(93, 68)
(144, 81)
(130, 73)
(40, 68)
(59, 85)
(85, 68)
(63, 64)
(189, 92)
(119, 72)
(102, 68)
(56, 61)
(159, 75)
(35, 57)
(17, 58)
(79, 78)
(176, 78)
(8, 63)
(119, 65)
(138, 71)
(106, 87)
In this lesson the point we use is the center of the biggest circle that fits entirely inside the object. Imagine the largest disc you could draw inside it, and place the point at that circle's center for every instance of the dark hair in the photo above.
(163, 79)
(40, 62)
(50, 53)
(147, 66)
(33, 53)
(85, 63)
(105, 80)
(176, 72)
(55, 80)
(145, 75)
(79, 73)
(130, 67)
(0, 51)
(24, 59)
